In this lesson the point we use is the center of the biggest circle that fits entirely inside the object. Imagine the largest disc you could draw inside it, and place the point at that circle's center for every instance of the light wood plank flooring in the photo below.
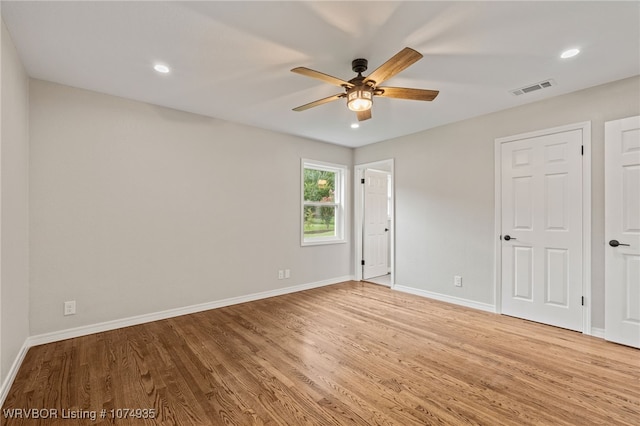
(348, 354)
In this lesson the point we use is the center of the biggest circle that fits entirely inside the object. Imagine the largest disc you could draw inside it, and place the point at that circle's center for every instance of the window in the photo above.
(322, 203)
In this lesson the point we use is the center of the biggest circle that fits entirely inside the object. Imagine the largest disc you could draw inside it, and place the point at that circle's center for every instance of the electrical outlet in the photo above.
(70, 307)
(287, 273)
(280, 274)
(457, 280)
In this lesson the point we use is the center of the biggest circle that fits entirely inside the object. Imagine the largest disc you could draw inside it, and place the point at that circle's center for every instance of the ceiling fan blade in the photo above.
(393, 66)
(364, 115)
(319, 102)
(322, 76)
(404, 93)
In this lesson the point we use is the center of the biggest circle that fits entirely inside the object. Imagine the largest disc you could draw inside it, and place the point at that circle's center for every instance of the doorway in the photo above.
(374, 222)
(543, 226)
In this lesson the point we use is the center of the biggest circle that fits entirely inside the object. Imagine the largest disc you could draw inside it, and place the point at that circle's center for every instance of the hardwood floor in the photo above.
(352, 353)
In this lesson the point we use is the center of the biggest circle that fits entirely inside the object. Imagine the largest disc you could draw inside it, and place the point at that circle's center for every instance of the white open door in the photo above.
(376, 232)
(622, 231)
(541, 228)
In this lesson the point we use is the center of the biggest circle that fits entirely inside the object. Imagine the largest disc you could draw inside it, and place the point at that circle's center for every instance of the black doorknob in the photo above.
(508, 237)
(616, 243)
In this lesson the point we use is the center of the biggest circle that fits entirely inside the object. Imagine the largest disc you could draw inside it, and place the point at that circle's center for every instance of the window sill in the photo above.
(322, 242)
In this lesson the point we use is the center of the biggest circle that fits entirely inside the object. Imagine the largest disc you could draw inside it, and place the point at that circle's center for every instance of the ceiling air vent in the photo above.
(533, 87)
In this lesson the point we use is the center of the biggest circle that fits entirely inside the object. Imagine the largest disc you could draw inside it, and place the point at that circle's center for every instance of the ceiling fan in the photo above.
(360, 90)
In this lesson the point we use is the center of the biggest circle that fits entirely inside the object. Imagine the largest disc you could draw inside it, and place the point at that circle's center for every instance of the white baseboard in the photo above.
(13, 372)
(595, 332)
(445, 298)
(56, 336)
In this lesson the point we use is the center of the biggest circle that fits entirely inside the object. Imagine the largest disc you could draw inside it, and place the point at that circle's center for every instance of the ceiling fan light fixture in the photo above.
(360, 98)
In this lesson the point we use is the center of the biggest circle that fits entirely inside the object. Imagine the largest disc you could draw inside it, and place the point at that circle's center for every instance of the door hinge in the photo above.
(582, 150)
(362, 181)
(582, 300)
(362, 262)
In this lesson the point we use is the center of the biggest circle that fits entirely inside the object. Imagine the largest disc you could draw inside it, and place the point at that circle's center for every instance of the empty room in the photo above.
(320, 213)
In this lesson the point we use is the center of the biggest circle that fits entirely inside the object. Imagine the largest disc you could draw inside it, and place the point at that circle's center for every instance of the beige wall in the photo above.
(137, 209)
(14, 208)
(128, 198)
(444, 182)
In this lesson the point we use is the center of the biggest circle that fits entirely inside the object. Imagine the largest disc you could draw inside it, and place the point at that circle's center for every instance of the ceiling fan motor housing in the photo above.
(359, 65)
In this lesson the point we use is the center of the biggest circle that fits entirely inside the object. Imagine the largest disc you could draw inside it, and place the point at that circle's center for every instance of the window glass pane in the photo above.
(319, 221)
(322, 203)
(319, 185)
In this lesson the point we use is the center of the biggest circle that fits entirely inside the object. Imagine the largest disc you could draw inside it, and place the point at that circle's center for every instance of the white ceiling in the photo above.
(232, 60)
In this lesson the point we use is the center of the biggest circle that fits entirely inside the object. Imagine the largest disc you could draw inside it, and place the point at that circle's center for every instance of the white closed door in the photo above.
(376, 243)
(622, 231)
(541, 241)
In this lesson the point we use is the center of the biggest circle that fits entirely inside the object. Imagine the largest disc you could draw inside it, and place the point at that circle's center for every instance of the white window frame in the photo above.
(339, 201)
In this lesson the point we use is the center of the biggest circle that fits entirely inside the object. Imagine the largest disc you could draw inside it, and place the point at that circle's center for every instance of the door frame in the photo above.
(358, 215)
(585, 127)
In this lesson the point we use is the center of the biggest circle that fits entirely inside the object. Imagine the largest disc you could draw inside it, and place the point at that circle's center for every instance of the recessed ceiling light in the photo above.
(355, 125)
(569, 53)
(161, 68)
